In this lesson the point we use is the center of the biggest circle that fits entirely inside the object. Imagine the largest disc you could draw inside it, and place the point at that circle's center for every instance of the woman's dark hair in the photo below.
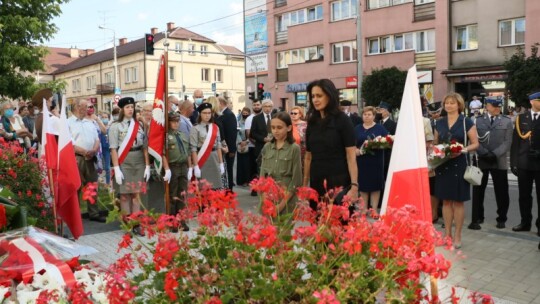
(212, 117)
(332, 109)
(286, 118)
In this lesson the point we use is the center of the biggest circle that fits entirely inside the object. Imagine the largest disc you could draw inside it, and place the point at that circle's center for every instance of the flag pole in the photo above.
(166, 105)
(53, 193)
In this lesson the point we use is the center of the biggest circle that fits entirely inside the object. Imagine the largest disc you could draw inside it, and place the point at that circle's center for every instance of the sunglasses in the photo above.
(294, 113)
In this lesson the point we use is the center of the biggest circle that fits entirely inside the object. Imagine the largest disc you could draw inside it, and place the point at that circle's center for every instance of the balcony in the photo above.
(280, 3)
(282, 75)
(282, 37)
(424, 11)
(425, 60)
(106, 88)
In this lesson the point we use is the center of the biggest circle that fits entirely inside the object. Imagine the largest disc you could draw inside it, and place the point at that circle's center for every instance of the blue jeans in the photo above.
(107, 165)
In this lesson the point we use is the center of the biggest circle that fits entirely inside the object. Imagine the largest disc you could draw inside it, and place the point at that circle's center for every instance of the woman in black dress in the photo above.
(330, 142)
(450, 186)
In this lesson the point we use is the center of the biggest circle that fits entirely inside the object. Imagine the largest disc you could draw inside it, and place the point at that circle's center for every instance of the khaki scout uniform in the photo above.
(178, 146)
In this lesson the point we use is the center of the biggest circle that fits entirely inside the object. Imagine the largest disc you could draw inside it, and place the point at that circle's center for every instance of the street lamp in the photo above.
(115, 62)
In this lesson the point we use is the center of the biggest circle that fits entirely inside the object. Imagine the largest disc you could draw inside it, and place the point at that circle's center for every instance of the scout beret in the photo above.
(204, 106)
(534, 96)
(384, 105)
(494, 101)
(37, 99)
(125, 101)
(345, 103)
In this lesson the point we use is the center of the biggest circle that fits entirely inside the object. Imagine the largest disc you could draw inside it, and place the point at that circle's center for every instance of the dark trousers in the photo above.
(525, 185)
(178, 187)
(230, 166)
(500, 184)
(88, 174)
(254, 173)
(243, 169)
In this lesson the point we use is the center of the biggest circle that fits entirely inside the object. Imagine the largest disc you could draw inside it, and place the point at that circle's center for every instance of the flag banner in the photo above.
(69, 181)
(48, 138)
(407, 182)
(156, 135)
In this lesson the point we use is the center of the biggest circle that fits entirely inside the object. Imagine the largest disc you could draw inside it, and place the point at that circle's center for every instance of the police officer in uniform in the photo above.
(176, 166)
(525, 160)
(495, 137)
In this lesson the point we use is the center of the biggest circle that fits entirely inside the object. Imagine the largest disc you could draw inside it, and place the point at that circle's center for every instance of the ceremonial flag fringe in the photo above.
(69, 181)
(407, 182)
(156, 135)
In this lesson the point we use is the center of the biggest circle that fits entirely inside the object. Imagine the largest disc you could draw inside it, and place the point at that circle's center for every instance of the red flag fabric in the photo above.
(156, 135)
(48, 138)
(69, 181)
(407, 182)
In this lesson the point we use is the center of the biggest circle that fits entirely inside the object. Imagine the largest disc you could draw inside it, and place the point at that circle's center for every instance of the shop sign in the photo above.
(351, 82)
(425, 76)
(296, 87)
(486, 77)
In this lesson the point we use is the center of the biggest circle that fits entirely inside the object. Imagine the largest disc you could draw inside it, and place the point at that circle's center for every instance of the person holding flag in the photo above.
(205, 145)
(129, 155)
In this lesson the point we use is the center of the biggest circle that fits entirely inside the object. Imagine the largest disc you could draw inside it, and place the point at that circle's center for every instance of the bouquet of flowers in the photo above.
(439, 154)
(377, 143)
(39, 267)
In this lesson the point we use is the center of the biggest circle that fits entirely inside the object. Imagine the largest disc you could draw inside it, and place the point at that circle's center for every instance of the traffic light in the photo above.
(252, 96)
(260, 90)
(149, 47)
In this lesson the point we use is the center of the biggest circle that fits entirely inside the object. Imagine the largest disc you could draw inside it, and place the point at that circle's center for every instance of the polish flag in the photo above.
(69, 181)
(48, 138)
(407, 182)
(156, 135)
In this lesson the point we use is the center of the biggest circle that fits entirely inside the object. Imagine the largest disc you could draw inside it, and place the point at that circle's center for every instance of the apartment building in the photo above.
(456, 44)
(195, 62)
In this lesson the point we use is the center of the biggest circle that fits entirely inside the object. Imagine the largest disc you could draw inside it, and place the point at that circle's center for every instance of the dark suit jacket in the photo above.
(520, 151)
(229, 126)
(258, 132)
(356, 120)
(390, 126)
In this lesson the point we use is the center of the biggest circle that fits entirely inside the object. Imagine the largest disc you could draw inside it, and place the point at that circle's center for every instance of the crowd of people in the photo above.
(320, 148)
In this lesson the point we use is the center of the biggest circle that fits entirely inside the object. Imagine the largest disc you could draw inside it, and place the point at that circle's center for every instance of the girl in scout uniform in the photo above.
(281, 160)
(176, 165)
(129, 155)
(205, 145)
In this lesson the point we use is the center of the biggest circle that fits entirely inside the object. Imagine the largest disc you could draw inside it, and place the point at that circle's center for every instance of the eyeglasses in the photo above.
(294, 113)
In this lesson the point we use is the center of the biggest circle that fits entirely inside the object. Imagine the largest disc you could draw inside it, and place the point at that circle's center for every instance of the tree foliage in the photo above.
(523, 75)
(384, 85)
(25, 25)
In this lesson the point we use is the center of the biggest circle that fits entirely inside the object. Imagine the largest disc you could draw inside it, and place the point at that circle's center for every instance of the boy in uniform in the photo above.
(176, 166)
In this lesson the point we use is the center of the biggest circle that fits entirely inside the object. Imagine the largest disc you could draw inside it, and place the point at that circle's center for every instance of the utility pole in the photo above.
(359, 74)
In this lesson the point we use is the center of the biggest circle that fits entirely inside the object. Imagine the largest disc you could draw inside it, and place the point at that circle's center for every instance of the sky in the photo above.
(219, 20)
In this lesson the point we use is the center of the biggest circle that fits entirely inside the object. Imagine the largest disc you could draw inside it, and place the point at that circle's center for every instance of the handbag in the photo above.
(473, 175)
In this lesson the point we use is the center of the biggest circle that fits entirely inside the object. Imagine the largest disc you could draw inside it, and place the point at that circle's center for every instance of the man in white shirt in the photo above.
(474, 106)
(86, 145)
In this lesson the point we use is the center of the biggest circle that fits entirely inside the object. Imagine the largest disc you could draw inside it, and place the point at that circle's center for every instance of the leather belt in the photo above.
(136, 149)
(199, 149)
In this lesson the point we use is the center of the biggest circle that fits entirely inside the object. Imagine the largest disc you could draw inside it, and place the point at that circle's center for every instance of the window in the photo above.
(90, 82)
(127, 75)
(205, 74)
(374, 4)
(76, 85)
(466, 38)
(204, 50)
(135, 74)
(109, 78)
(298, 17)
(344, 52)
(313, 53)
(425, 41)
(191, 49)
(512, 32)
(344, 9)
(171, 73)
(218, 75)
(178, 47)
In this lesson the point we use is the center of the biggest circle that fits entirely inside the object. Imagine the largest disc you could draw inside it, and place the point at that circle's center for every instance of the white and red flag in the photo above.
(48, 138)
(156, 135)
(407, 182)
(69, 181)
